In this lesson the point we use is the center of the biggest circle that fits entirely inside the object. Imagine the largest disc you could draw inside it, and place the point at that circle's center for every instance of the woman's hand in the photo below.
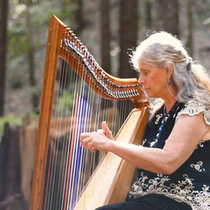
(97, 140)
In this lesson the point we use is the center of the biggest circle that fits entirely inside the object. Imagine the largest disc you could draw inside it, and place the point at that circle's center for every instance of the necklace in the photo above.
(172, 108)
(166, 115)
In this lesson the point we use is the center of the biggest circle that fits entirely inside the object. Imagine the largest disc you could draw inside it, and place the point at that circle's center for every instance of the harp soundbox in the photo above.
(77, 95)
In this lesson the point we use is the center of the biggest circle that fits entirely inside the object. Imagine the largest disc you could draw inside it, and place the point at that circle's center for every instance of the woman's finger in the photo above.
(101, 131)
(89, 145)
(85, 141)
(107, 132)
(84, 135)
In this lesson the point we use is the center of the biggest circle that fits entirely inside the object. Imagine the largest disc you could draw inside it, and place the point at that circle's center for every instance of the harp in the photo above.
(60, 175)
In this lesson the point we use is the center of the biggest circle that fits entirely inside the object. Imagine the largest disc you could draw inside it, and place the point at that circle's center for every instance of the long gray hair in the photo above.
(190, 78)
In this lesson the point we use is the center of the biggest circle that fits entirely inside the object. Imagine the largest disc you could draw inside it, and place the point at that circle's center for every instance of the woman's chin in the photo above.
(149, 94)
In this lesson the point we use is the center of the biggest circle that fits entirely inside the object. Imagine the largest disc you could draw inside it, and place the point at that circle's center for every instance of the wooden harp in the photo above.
(110, 180)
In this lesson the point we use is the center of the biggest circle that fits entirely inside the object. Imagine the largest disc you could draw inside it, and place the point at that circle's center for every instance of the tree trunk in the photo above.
(128, 35)
(105, 35)
(10, 162)
(167, 18)
(190, 27)
(31, 55)
(10, 175)
(128, 40)
(78, 16)
(3, 44)
(105, 42)
(148, 13)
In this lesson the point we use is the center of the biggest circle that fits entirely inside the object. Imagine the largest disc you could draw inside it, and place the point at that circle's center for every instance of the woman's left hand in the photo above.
(95, 141)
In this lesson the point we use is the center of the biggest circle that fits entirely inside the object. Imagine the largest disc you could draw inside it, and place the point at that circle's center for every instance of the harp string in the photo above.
(80, 129)
(77, 150)
(64, 141)
(61, 115)
(85, 112)
(66, 113)
(82, 169)
(72, 145)
(64, 138)
(70, 140)
(53, 148)
(67, 147)
(68, 165)
(74, 177)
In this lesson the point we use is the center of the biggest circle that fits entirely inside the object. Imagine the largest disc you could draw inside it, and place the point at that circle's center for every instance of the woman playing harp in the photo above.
(173, 162)
(77, 93)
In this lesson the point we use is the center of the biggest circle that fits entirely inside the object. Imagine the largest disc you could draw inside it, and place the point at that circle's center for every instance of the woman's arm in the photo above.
(186, 134)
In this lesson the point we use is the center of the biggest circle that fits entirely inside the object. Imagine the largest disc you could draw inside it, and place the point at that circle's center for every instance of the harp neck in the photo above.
(107, 86)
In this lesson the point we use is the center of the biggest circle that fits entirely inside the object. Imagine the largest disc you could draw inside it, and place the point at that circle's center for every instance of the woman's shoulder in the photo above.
(193, 108)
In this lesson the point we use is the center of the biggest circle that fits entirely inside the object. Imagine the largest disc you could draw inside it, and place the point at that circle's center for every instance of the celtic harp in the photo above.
(77, 96)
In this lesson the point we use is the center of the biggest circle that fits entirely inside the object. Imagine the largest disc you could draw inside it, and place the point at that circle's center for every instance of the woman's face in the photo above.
(153, 79)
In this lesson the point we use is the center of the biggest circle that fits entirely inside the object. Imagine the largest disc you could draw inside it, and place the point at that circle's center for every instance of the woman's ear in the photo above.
(170, 69)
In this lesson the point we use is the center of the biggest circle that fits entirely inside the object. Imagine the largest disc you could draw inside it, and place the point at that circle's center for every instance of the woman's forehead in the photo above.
(144, 66)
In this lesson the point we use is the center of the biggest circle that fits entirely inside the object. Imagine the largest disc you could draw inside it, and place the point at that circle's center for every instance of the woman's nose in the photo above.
(141, 80)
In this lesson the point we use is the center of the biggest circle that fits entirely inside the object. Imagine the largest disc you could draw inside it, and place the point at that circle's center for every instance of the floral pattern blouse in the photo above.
(191, 182)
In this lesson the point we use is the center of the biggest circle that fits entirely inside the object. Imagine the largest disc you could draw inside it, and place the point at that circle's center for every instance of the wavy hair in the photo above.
(190, 78)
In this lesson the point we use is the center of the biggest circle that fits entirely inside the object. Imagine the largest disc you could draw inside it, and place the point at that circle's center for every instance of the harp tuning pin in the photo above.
(98, 71)
(113, 84)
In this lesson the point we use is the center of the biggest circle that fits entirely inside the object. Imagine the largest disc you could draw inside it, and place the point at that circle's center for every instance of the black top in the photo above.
(191, 182)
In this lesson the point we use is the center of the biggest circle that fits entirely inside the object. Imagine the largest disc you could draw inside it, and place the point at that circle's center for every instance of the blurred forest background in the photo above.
(108, 28)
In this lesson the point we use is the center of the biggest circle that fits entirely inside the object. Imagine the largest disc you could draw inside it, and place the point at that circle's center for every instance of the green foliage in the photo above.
(16, 74)
(15, 81)
(65, 101)
(11, 119)
(34, 116)
(17, 48)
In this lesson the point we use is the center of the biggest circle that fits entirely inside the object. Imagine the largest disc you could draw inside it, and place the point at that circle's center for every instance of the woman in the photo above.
(173, 162)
